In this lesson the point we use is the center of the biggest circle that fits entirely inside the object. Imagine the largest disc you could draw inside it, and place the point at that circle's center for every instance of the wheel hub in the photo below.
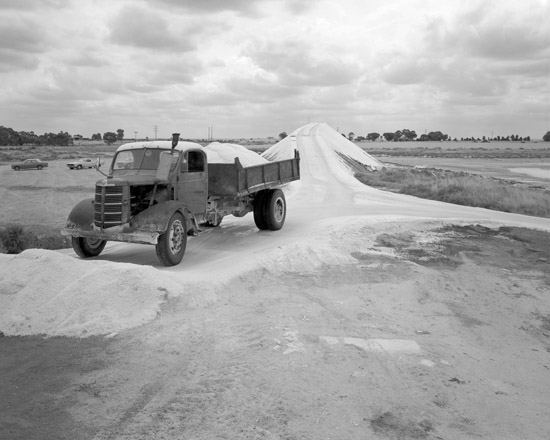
(176, 236)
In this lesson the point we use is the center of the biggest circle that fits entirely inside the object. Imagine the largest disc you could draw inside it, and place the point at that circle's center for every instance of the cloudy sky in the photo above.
(256, 68)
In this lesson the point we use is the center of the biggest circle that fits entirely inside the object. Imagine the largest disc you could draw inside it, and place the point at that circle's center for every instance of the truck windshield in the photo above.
(141, 159)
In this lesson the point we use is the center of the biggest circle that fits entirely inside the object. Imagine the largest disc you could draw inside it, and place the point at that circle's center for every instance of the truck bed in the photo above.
(235, 180)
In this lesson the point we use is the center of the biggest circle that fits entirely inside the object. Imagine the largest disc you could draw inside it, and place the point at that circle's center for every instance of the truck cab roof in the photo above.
(182, 145)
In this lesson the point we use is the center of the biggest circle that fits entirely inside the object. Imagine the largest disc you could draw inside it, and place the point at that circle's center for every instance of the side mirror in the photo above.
(98, 165)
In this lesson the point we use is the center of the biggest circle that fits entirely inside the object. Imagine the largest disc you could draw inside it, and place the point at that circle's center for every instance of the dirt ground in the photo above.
(434, 333)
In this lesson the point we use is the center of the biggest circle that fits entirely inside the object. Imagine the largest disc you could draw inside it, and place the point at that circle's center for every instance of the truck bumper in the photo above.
(118, 233)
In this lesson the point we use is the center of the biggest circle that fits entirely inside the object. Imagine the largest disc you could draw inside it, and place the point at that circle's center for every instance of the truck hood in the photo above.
(132, 180)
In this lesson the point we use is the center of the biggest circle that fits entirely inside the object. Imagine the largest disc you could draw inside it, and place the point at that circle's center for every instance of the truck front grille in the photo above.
(108, 206)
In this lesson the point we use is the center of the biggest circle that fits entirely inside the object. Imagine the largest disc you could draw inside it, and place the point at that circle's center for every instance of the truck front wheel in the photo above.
(171, 245)
(270, 212)
(88, 247)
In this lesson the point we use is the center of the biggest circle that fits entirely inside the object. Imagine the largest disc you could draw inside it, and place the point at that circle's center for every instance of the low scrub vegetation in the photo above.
(461, 189)
(14, 239)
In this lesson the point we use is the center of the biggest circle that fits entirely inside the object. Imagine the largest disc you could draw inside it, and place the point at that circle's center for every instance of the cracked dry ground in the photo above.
(435, 332)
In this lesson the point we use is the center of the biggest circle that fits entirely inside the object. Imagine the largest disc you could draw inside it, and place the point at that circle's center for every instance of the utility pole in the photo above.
(135, 135)
(156, 127)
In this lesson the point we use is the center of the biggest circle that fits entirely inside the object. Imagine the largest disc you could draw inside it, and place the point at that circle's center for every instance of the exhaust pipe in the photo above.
(175, 140)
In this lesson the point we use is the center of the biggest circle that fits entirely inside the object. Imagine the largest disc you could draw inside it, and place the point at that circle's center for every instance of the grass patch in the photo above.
(461, 189)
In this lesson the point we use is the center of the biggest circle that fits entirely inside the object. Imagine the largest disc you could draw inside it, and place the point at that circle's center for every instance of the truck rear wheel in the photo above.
(88, 247)
(259, 210)
(171, 245)
(270, 210)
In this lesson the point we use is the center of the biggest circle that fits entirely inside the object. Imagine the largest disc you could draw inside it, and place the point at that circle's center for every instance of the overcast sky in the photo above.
(256, 68)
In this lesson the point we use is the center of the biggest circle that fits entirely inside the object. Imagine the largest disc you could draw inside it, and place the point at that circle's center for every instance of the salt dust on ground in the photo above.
(44, 292)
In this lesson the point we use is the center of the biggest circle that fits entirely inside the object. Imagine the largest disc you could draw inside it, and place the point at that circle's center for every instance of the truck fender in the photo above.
(156, 218)
(82, 216)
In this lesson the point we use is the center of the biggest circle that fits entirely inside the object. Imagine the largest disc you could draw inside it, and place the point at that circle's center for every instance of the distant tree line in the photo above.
(437, 136)
(9, 136)
(404, 135)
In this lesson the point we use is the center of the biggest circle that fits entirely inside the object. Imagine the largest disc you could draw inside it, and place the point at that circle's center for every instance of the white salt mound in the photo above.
(45, 292)
(226, 153)
(325, 135)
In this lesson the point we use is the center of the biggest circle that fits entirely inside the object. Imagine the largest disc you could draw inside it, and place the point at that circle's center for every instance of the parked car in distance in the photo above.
(29, 164)
(81, 163)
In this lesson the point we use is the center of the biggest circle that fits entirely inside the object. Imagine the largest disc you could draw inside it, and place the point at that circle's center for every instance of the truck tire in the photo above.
(271, 211)
(88, 247)
(275, 205)
(259, 216)
(39, 167)
(16, 168)
(79, 167)
(171, 245)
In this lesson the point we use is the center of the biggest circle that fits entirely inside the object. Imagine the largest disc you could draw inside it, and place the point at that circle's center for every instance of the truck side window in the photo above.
(196, 162)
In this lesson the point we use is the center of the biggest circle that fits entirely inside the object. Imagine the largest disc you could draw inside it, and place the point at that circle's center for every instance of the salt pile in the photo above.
(226, 153)
(45, 292)
(328, 137)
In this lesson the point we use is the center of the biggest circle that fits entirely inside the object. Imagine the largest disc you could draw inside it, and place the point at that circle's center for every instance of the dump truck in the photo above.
(161, 192)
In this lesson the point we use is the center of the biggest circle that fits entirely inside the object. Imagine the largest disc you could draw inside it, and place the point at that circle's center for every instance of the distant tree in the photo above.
(408, 135)
(373, 136)
(110, 137)
(96, 137)
(351, 136)
(120, 134)
(437, 136)
(61, 138)
(389, 136)
(283, 135)
(546, 137)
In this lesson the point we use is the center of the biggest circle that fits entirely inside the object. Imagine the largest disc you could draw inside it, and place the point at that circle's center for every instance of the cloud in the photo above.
(21, 43)
(147, 29)
(245, 7)
(32, 5)
(298, 63)
(11, 61)
(405, 70)
(22, 36)
(493, 31)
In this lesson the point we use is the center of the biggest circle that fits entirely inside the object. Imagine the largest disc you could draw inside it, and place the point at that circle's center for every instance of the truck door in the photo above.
(192, 185)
